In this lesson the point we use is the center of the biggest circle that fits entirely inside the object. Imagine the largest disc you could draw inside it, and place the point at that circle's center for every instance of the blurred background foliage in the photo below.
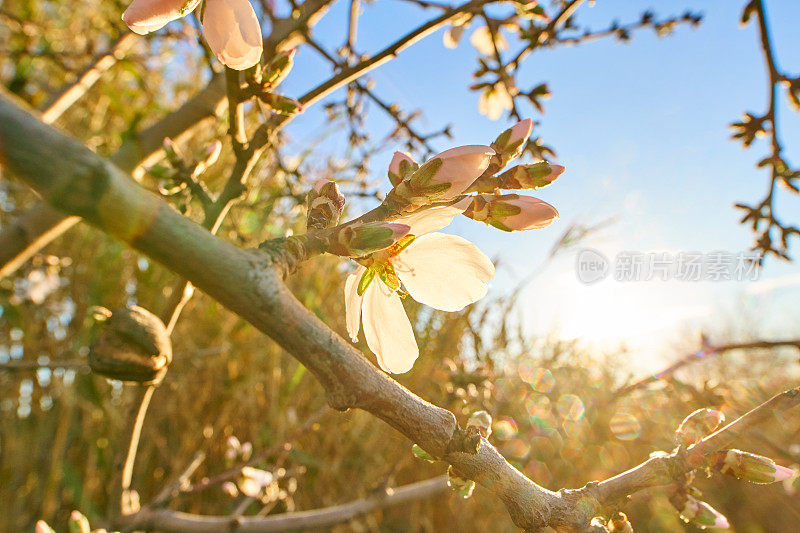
(557, 414)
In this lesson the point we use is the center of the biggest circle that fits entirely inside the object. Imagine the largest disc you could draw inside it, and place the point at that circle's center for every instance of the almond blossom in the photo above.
(443, 271)
(231, 27)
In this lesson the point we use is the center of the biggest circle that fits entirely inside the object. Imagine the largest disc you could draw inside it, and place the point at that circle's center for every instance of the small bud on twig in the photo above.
(511, 212)
(277, 69)
(325, 204)
(283, 105)
(401, 167)
(697, 511)
(697, 425)
(364, 239)
(510, 143)
(749, 467)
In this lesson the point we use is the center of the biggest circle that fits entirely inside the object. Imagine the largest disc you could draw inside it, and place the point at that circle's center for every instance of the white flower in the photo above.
(231, 27)
(481, 39)
(494, 100)
(254, 480)
(443, 271)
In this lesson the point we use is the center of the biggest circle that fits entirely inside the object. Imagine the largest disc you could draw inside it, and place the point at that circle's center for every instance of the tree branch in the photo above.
(165, 520)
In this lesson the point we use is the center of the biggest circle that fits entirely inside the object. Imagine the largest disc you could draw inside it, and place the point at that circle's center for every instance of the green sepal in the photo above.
(366, 279)
(503, 209)
(499, 225)
(389, 276)
(426, 172)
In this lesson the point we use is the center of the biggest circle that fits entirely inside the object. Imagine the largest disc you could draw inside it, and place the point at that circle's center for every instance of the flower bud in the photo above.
(133, 345)
(401, 167)
(43, 527)
(620, 524)
(254, 480)
(750, 467)
(78, 523)
(511, 212)
(443, 177)
(697, 425)
(325, 204)
(364, 239)
(698, 512)
(283, 105)
(459, 485)
(277, 69)
(511, 142)
(230, 489)
(482, 421)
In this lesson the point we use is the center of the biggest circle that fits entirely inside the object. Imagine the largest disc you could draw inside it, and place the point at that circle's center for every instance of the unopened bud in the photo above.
(620, 524)
(171, 151)
(443, 177)
(511, 212)
(133, 345)
(511, 142)
(401, 167)
(210, 156)
(230, 489)
(277, 69)
(325, 204)
(698, 512)
(364, 239)
(750, 467)
(482, 421)
(283, 105)
(697, 425)
(43, 527)
(212, 153)
(459, 485)
(78, 523)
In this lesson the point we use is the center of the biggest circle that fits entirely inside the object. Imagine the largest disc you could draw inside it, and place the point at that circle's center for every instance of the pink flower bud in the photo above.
(534, 214)
(450, 173)
(364, 239)
(460, 167)
(42, 527)
(401, 166)
(750, 467)
(511, 212)
(520, 131)
(78, 523)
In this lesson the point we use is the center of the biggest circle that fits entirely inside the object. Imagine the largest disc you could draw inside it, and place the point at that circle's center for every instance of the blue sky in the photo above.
(642, 130)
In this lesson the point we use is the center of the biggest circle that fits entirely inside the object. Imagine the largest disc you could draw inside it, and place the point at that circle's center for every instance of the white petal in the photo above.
(387, 329)
(352, 303)
(232, 31)
(144, 16)
(433, 218)
(443, 271)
